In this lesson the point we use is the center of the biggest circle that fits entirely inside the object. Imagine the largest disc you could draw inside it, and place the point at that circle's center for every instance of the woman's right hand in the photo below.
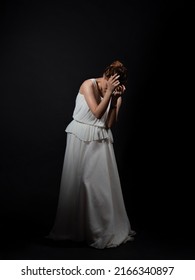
(113, 83)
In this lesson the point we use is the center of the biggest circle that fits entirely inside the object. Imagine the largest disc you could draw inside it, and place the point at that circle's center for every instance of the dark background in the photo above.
(47, 49)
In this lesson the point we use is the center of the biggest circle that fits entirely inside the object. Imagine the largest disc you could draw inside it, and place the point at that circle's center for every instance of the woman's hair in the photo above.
(119, 68)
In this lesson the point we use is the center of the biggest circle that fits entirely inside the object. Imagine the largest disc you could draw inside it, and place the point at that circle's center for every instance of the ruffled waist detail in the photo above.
(88, 132)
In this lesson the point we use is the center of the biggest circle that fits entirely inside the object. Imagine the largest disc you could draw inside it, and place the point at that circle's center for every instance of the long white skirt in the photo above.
(91, 206)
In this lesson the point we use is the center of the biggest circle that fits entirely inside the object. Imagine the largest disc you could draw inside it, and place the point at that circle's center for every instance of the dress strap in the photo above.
(95, 83)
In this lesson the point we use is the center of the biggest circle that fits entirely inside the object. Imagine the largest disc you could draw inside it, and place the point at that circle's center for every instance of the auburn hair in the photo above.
(116, 67)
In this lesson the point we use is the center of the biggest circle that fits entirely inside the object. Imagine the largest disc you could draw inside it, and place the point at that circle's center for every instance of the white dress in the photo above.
(90, 206)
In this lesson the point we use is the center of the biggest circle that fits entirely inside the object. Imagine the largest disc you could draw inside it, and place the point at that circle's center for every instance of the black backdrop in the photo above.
(47, 49)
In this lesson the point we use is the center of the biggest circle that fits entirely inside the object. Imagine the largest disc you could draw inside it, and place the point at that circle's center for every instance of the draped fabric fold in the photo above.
(87, 132)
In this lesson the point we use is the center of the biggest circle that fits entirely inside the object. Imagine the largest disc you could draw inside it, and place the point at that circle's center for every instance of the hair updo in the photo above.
(116, 68)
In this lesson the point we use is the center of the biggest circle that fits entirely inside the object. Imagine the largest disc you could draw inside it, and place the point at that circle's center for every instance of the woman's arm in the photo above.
(113, 112)
(115, 105)
(98, 107)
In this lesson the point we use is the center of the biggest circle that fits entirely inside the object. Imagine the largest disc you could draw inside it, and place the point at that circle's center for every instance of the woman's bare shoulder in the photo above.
(88, 83)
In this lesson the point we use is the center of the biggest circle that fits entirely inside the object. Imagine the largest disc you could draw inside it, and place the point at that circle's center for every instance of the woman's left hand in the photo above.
(118, 91)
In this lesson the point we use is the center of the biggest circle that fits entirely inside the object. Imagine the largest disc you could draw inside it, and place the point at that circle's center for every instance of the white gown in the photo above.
(91, 206)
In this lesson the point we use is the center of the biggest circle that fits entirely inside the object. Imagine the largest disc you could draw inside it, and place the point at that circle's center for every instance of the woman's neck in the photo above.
(101, 86)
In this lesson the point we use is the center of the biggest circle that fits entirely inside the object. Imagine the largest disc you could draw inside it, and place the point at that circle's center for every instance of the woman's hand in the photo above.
(113, 83)
(119, 90)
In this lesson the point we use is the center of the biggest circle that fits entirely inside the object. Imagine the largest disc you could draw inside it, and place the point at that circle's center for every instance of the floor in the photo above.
(145, 246)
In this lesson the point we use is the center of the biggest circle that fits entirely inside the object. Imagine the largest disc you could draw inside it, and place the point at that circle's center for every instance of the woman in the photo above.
(91, 206)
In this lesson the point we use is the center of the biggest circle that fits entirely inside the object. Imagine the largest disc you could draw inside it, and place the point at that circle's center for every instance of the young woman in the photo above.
(91, 206)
